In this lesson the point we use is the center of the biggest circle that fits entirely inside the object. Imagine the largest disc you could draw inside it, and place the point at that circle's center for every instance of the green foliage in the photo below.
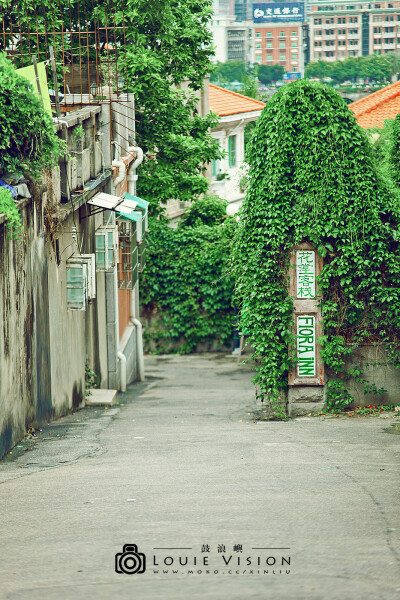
(313, 178)
(11, 212)
(168, 45)
(250, 86)
(27, 137)
(374, 67)
(210, 210)
(185, 285)
(394, 151)
(233, 70)
(270, 73)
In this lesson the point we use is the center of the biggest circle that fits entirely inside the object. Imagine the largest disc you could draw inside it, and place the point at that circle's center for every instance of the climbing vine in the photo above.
(186, 293)
(313, 178)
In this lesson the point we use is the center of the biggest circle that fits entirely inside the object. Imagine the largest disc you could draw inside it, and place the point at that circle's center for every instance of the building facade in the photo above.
(349, 29)
(279, 43)
(235, 112)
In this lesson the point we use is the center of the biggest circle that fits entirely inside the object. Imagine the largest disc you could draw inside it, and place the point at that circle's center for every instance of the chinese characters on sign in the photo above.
(306, 346)
(305, 274)
(305, 268)
(276, 12)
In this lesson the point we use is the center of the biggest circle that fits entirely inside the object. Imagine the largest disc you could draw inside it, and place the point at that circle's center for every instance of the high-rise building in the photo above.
(347, 28)
(232, 34)
(278, 34)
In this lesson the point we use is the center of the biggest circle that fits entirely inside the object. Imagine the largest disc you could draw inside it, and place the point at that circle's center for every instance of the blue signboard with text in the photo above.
(278, 12)
(291, 76)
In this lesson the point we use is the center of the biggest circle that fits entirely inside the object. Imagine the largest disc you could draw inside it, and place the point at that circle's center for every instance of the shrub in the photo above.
(28, 141)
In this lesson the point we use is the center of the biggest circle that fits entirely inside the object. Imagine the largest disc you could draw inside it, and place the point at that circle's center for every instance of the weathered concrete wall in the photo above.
(43, 345)
(373, 360)
(310, 399)
(35, 383)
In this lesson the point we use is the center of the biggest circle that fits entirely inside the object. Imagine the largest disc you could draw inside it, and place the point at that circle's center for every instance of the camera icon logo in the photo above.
(130, 561)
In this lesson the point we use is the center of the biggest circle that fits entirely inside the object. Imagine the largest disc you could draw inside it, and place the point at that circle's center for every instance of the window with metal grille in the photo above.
(128, 264)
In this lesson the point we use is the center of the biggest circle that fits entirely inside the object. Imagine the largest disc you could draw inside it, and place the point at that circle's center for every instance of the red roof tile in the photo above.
(224, 102)
(375, 108)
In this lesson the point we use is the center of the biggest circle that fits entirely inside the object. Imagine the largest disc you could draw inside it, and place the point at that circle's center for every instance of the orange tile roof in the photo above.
(224, 102)
(375, 108)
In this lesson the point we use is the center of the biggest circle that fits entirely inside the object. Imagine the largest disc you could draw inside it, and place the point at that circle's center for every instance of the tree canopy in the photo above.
(167, 46)
(374, 67)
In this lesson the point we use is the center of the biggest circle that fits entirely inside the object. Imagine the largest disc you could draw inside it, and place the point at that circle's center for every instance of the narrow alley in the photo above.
(219, 505)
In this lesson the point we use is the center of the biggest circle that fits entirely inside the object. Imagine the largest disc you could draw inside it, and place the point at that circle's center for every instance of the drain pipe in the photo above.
(131, 176)
(131, 179)
(139, 330)
(121, 169)
(122, 359)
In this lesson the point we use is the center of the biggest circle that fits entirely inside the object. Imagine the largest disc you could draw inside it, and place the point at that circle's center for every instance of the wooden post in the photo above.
(306, 265)
(53, 66)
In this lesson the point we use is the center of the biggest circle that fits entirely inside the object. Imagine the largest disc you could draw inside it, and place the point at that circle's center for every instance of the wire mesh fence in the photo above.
(81, 42)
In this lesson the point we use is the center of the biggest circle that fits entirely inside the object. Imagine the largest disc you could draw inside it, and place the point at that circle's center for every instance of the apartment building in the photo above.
(279, 43)
(278, 34)
(342, 29)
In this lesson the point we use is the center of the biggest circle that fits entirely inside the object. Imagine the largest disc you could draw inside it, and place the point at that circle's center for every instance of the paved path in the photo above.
(183, 465)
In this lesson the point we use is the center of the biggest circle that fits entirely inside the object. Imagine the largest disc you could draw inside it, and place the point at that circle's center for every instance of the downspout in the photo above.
(122, 359)
(131, 178)
(139, 331)
(121, 170)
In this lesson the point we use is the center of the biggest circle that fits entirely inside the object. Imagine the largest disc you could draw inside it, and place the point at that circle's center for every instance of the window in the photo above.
(81, 280)
(282, 57)
(294, 56)
(281, 44)
(269, 34)
(269, 44)
(269, 56)
(258, 59)
(258, 34)
(282, 34)
(216, 165)
(128, 264)
(389, 18)
(294, 44)
(106, 246)
(378, 41)
(317, 21)
(258, 45)
(294, 33)
(232, 150)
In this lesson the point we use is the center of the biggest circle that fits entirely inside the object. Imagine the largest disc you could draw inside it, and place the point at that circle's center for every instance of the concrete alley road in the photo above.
(182, 468)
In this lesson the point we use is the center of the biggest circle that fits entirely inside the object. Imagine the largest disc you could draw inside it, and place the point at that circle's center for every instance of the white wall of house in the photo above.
(227, 173)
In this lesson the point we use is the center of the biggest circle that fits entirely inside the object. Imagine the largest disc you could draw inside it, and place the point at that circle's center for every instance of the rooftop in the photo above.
(375, 108)
(224, 102)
